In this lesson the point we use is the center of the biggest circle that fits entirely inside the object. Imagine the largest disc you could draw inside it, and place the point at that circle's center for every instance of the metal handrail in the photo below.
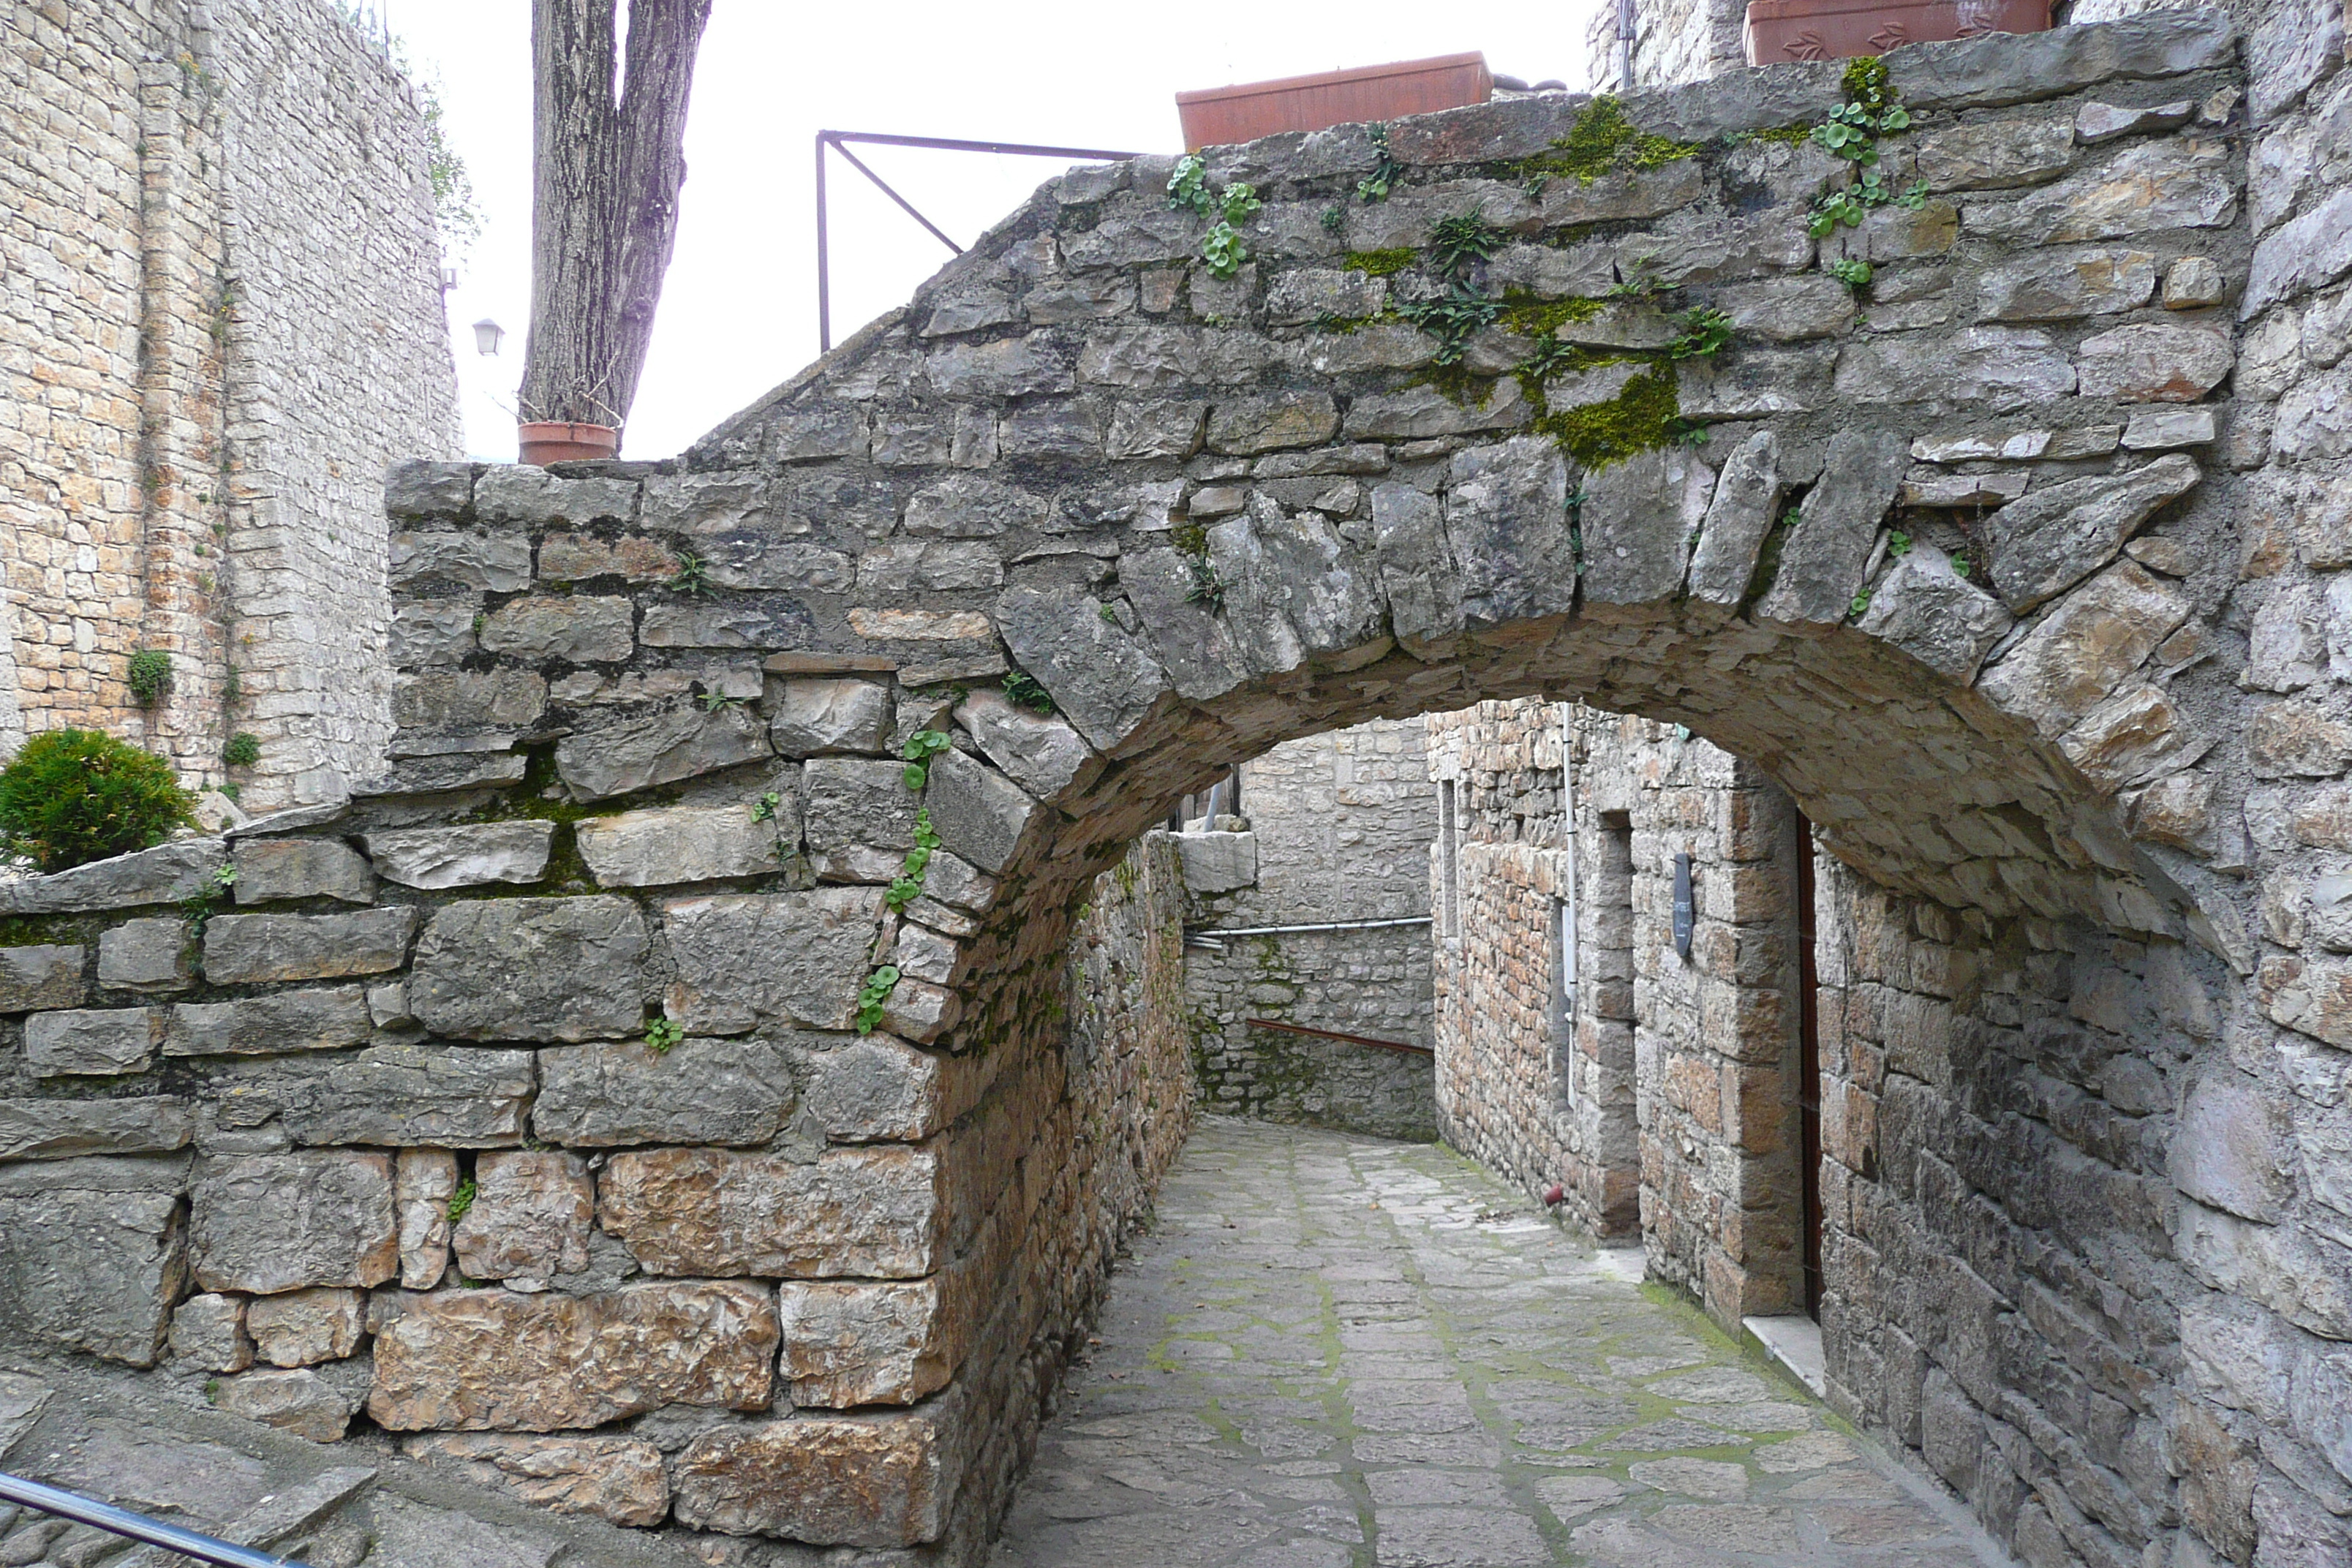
(122, 1521)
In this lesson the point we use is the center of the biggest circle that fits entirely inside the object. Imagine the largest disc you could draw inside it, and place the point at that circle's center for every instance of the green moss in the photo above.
(38, 931)
(1338, 326)
(1866, 82)
(1382, 263)
(1193, 538)
(1533, 317)
(1603, 141)
(1645, 416)
(1459, 386)
(1789, 135)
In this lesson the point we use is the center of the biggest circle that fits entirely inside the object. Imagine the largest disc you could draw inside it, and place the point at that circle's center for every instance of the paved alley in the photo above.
(1338, 1353)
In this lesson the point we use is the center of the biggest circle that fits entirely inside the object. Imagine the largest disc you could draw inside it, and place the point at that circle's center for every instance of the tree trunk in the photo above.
(607, 170)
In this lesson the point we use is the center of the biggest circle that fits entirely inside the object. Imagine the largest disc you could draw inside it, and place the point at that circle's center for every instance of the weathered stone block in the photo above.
(433, 774)
(771, 621)
(858, 1481)
(317, 1018)
(812, 717)
(468, 701)
(1506, 525)
(2082, 651)
(530, 1218)
(164, 875)
(2002, 367)
(463, 857)
(44, 975)
(266, 1222)
(302, 1327)
(1041, 753)
(240, 948)
(572, 557)
(1269, 422)
(459, 1097)
(1100, 675)
(531, 969)
(502, 1361)
(868, 1342)
(2303, 254)
(1639, 518)
(156, 954)
(1417, 571)
(875, 1212)
(2232, 1148)
(699, 1091)
(432, 631)
(1822, 560)
(879, 1088)
(617, 1479)
(514, 493)
(745, 960)
(1746, 504)
(578, 628)
(295, 1400)
(208, 1333)
(854, 801)
(92, 1041)
(686, 844)
(2154, 362)
(67, 1129)
(273, 868)
(978, 813)
(2039, 547)
(93, 1254)
(1934, 615)
(2054, 286)
(420, 488)
(612, 754)
(2297, 739)
(424, 1181)
(1988, 155)
(496, 561)
(1217, 862)
(2171, 182)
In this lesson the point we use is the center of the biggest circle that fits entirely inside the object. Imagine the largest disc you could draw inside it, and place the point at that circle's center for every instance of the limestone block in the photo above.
(240, 948)
(315, 1019)
(1506, 525)
(1068, 430)
(496, 561)
(1217, 862)
(1040, 752)
(2172, 181)
(94, 1254)
(964, 506)
(1417, 572)
(857, 1480)
(2300, 1276)
(2312, 997)
(47, 975)
(1100, 677)
(266, 1222)
(700, 1090)
(771, 622)
(1195, 649)
(2085, 648)
(2303, 254)
(502, 1361)
(432, 631)
(432, 774)
(2169, 429)
(1053, 301)
(920, 1011)
(572, 557)
(295, 1400)
(417, 488)
(531, 969)
(812, 717)
(1009, 367)
(1419, 412)
(610, 754)
(2295, 740)
(1837, 524)
(208, 1333)
(746, 959)
(1300, 295)
(2039, 547)
(1934, 615)
(424, 1181)
(879, 1088)
(53, 1128)
(1639, 518)
(92, 1041)
(464, 857)
(700, 503)
(2154, 362)
(2132, 737)
(413, 1092)
(1746, 503)
(868, 1342)
(302, 1327)
(2003, 367)
(152, 955)
(829, 430)
(686, 844)
(978, 813)
(468, 700)
(1755, 381)
(617, 1479)
(2315, 419)
(874, 1211)
(273, 868)
(2286, 647)
(2193, 283)
(2231, 1149)
(1989, 154)
(2096, 121)
(579, 627)
(164, 875)
(1268, 421)
(509, 492)
(858, 801)
(1788, 309)
(1156, 429)
(531, 1211)
(2052, 286)
(2293, 46)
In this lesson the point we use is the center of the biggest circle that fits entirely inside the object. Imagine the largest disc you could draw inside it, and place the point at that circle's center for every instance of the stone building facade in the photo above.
(2082, 1213)
(1339, 832)
(220, 322)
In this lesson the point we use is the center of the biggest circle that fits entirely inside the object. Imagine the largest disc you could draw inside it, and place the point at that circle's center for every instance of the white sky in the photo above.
(739, 312)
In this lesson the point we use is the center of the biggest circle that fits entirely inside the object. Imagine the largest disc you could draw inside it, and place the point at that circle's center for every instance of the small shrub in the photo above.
(244, 749)
(77, 796)
(150, 676)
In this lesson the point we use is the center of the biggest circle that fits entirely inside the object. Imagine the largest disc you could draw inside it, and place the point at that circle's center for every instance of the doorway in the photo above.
(1809, 1070)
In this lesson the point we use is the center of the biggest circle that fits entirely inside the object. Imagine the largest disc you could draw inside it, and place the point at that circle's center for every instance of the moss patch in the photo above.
(1533, 317)
(1866, 82)
(1382, 263)
(1645, 416)
(1601, 142)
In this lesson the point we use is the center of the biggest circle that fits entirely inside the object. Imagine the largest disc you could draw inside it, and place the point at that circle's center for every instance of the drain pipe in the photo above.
(1624, 45)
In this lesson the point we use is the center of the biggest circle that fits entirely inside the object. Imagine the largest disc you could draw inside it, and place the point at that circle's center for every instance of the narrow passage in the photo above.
(1338, 1353)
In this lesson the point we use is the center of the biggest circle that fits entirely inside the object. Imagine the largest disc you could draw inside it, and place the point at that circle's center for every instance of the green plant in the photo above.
(764, 808)
(1705, 333)
(1381, 263)
(462, 1199)
(150, 676)
(232, 687)
(874, 996)
(1386, 170)
(693, 575)
(1188, 186)
(663, 1035)
(1898, 543)
(1639, 282)
(1603, 141)
(1960, 565)
(920, 748)
(76, 795)
(1335, 218)
(1452, 320)
(1853, 273)
(907, 885)
(1860, 603)
(244, 749)
(1026, 692)
(1222, 247)
(712, 702)
(1455, 242)
(1555, 357)
(1107, 612)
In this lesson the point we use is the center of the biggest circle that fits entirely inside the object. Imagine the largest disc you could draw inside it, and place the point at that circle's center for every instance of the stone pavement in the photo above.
(1338, 1353)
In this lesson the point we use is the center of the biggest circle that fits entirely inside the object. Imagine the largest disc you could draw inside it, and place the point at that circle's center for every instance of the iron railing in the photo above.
(62, 1504)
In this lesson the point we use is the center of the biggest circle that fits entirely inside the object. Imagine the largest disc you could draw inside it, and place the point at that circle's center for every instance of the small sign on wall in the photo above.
(1683, 913)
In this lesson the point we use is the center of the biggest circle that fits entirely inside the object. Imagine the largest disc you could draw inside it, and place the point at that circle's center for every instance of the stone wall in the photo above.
(1674, 41)
(1208, 515)
(221, 322)
(1339, 831)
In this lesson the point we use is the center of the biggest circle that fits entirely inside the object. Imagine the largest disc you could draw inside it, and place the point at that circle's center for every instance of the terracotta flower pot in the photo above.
(1780, 31)
(1224, 116)
(545, 441)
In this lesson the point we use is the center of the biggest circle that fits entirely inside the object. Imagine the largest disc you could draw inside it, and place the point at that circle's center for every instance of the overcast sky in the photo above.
(739, 313)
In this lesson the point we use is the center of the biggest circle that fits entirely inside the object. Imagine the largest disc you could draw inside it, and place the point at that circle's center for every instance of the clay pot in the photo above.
(1780, 31)
(1222, 116)
(545, 441)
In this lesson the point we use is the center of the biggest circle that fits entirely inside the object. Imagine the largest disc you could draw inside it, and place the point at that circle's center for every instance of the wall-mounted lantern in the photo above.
(487, 334)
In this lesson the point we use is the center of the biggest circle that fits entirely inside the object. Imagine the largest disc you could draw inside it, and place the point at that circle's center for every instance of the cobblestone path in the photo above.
(1337, 1353)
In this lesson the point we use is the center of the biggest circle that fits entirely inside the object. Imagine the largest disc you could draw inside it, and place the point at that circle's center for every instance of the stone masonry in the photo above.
(2080, 793)
(220, 321)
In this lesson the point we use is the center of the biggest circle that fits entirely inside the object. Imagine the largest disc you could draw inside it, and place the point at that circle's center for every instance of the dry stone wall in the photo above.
(221, 322)
(1206, 515)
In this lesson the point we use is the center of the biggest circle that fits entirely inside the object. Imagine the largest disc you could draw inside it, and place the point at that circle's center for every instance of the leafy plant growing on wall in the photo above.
(1222, 247)
(150, 676)
(1386, 170)
(72, 796)
(243, 750)
(874, 996)
(1023, 691)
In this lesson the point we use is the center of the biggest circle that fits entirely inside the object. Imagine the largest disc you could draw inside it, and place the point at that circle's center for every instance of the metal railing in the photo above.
(62, 1504)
